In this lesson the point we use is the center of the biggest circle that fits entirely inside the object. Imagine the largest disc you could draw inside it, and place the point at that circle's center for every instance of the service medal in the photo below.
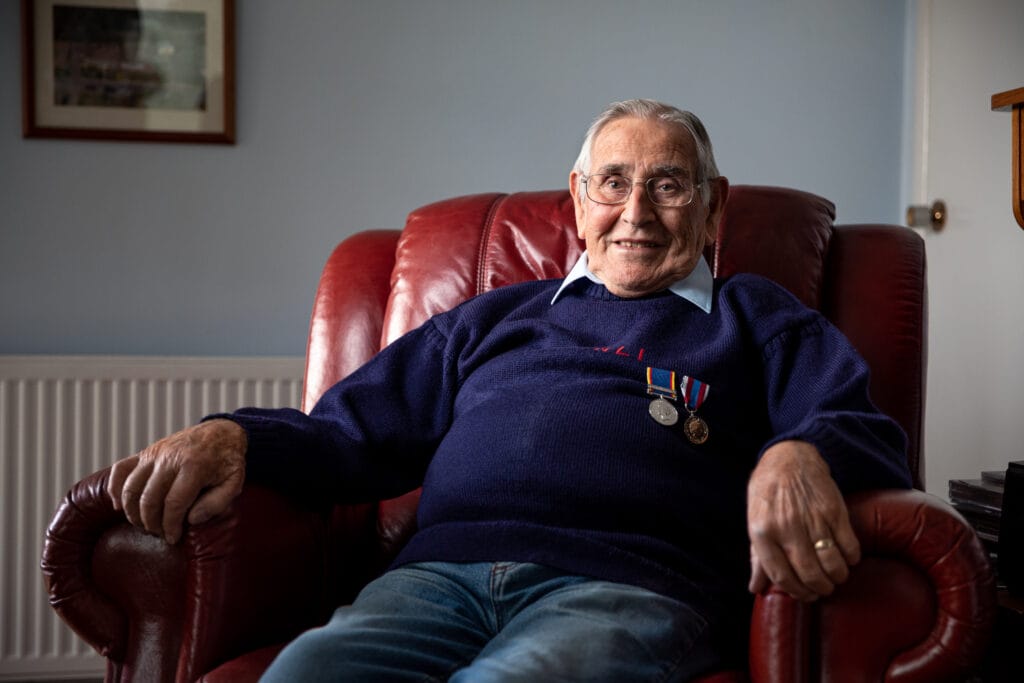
(662, 383)
(695, 392)
(663, 412)
(696, 430)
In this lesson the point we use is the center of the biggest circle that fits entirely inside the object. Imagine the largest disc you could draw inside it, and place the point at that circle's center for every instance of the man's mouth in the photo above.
(636, 244)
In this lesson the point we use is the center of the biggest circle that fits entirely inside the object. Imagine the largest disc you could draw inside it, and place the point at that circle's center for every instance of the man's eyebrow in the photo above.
(657, 171)
(676, 171)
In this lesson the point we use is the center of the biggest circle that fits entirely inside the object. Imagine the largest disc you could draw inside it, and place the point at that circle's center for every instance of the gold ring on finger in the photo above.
(824, 544)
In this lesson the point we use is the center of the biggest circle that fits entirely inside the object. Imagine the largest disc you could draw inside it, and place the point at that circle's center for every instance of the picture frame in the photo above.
(144, 70)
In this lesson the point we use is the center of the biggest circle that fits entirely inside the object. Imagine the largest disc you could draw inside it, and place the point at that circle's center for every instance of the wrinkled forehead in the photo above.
(645, 147)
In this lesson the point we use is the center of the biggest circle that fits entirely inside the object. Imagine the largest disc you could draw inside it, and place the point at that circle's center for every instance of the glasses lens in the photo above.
(608, 189)
(663, 191)
(669, 191)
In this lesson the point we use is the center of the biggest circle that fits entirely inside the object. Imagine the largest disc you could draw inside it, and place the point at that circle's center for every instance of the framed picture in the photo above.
(153, 70)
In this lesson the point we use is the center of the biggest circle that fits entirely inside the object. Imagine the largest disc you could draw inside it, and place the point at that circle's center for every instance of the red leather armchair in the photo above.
(217, 606)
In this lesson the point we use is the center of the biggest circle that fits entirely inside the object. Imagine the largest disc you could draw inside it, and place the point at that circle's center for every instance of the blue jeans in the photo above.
(483, 622)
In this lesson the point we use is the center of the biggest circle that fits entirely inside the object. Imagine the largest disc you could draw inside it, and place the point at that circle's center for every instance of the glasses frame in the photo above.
(636, 181)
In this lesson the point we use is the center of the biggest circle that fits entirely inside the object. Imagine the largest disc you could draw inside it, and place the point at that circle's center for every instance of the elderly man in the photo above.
(586, 516)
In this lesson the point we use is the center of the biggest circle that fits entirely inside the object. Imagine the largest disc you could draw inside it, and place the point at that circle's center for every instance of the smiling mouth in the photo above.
(636, 244)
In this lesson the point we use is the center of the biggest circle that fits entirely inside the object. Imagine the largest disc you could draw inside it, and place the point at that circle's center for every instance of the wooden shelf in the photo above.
(1004, 101)
(1013, 101)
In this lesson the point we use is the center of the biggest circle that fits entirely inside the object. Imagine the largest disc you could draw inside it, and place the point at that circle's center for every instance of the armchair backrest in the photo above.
(867, 279)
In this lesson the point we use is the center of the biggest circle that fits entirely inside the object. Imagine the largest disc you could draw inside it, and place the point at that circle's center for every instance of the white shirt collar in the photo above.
(697, 287)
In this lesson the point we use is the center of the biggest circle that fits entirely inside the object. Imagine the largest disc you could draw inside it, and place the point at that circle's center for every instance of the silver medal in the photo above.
(663, 412)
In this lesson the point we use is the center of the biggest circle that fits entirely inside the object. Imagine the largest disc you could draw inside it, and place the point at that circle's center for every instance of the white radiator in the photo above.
(62, 418)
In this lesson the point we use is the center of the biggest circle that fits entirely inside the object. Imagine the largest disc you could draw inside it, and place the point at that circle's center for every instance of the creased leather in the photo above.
(919, 607)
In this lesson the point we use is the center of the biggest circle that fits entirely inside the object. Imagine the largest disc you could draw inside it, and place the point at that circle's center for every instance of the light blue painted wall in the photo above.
(350, 114)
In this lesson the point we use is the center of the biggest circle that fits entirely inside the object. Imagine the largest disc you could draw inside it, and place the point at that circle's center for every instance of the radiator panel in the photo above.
(62, 418)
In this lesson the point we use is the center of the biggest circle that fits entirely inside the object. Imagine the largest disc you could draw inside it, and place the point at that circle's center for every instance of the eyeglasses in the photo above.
(661, 190)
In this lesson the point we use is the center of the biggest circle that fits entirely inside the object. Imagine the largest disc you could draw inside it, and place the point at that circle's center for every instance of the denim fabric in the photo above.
(484, 622)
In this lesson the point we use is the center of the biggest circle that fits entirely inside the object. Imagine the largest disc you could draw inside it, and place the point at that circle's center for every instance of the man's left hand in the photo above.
(800, 534)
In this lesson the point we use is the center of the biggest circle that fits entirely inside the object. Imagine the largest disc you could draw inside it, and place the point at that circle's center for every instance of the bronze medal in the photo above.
(696, 429)
(694, 393)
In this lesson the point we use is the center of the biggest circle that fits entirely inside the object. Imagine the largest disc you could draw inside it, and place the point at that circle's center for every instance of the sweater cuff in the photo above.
(854, 466)
(264, 445)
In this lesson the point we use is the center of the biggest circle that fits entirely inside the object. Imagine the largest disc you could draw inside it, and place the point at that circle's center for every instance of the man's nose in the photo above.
(639, 208)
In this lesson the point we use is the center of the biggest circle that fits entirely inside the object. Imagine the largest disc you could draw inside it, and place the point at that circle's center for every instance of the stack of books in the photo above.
(980, 501)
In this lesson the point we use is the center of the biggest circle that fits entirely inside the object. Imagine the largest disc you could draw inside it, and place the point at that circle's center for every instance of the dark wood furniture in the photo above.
(1013, 100)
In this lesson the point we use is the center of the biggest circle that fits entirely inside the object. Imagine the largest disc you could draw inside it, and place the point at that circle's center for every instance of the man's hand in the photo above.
(800, 534)
(197, 471)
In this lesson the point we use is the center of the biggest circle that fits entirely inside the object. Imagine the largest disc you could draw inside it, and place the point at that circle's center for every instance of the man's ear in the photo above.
(719, 188)
(578, 202)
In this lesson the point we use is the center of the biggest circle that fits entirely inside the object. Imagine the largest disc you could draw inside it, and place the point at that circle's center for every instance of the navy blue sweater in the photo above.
(527, 425)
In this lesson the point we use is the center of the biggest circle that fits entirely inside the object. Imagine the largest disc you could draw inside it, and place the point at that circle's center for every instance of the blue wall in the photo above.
(350, 114)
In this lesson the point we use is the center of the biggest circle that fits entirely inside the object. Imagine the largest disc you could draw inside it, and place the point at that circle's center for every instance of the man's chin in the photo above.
(632, 289)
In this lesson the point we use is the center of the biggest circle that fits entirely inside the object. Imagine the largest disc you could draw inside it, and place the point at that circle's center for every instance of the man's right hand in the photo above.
(196, 472)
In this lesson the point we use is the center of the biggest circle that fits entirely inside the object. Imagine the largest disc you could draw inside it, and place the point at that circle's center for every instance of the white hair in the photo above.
(656, 111)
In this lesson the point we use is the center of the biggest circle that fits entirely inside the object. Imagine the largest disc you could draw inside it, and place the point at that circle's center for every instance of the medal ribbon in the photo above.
(694, 391)
(661, 382)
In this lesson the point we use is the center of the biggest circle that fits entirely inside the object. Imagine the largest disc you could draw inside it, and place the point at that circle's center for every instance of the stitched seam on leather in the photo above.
(485, 238)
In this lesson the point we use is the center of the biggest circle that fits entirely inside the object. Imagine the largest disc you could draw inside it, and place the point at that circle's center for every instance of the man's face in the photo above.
(638, 248)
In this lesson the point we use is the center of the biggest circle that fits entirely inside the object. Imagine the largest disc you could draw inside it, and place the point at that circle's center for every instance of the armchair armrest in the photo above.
(918, 607)
(259, 574)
